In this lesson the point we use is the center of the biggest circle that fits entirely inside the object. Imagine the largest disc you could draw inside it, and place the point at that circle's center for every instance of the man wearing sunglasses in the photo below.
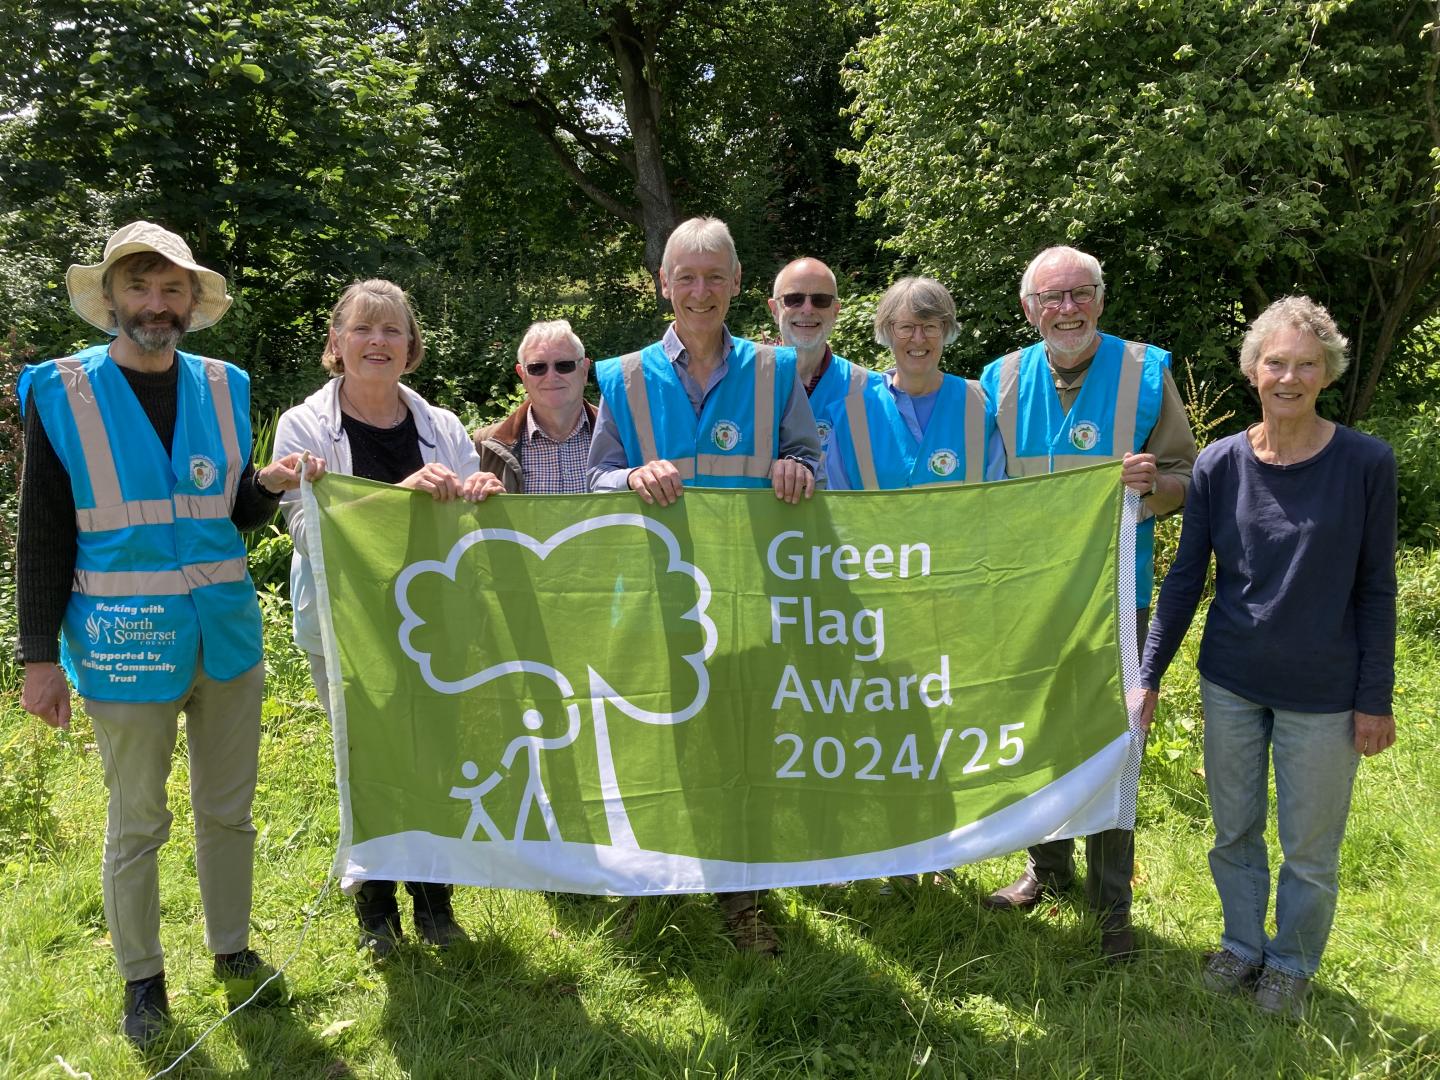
(805, 305)
(1074, 398)
(541, 447)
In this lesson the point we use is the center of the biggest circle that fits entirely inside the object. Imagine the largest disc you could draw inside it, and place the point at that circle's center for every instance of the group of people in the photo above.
(138, 481)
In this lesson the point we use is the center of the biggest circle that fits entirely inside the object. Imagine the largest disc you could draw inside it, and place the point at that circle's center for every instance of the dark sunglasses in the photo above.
(817, 299)
(563, 367)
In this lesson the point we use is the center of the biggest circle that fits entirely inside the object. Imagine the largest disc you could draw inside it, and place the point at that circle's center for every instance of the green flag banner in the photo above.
(586, 694)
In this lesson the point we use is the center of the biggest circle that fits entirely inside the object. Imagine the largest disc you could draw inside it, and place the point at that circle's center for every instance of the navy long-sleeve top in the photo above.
(1304, 610)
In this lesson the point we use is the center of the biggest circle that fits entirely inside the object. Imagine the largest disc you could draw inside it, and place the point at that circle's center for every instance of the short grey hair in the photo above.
(924, 296)
(1299, 313)
(1084, 258)
(546, 333)
(699, 235)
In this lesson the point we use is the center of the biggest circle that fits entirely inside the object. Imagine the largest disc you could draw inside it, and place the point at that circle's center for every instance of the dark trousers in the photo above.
(1109, 855)
(378, 897)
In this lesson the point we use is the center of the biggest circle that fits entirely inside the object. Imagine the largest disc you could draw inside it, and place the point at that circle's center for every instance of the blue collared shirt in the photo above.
(609, 468)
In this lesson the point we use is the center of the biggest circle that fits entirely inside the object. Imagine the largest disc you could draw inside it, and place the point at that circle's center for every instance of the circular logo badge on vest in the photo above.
(943, 462)
(1084, 435)
(824, 427)
(202, 471)
(725, 435)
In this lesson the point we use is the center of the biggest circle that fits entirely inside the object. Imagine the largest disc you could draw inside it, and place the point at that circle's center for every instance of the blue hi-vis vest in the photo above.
(733, 442)
(830, 391)
(877, 450)
(160, 573)
(1113, 414)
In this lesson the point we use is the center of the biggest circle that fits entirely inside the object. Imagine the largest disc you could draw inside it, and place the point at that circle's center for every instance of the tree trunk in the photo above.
(633, 49)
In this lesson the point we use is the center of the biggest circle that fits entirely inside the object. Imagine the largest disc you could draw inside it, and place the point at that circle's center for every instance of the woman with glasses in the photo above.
(365, 422)
(914, 424)
(1297, 663)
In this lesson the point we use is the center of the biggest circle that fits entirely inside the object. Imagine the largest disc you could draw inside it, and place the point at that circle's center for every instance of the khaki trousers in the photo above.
(137, 744)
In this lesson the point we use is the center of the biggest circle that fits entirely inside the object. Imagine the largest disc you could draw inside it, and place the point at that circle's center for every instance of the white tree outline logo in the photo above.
(601, 692)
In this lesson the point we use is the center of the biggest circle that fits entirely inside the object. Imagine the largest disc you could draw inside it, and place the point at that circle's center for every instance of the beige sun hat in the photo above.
(87, 295)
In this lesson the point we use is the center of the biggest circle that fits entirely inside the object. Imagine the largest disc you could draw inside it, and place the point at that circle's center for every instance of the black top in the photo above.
(1304, 610)
(45, 554)
(385, 454)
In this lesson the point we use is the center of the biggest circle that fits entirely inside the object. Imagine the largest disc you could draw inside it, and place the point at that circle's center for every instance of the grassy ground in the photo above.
(920, 983)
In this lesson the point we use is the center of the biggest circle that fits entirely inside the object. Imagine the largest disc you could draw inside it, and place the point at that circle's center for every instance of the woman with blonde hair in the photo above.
(365, 422)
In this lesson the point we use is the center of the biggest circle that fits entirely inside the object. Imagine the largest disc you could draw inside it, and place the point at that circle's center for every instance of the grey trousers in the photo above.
(1109, 855)
(137, 744)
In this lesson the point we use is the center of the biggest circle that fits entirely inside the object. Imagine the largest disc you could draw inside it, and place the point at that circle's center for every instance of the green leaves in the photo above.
(1215, 155)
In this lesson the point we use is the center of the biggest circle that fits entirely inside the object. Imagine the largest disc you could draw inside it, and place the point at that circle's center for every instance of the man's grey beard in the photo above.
(155, 336)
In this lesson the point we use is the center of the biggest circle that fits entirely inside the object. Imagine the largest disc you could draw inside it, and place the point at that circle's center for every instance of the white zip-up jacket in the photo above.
(314, 425)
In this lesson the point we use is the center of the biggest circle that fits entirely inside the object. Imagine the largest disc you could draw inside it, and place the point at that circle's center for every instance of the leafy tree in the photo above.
(285, 143)
(1215, 153)
(652, 111)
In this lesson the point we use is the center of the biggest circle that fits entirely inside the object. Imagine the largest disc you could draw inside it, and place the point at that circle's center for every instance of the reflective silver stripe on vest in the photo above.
(158, 582)
(637, 395)
(1007, 418)
(860, 429)
(734, 465)
(138, 512)
(205, 506)
(1127, 398)
(1127, 402)
(94, 440)
(757, 465)
(764, 456)
(974, 433)
(229, 437)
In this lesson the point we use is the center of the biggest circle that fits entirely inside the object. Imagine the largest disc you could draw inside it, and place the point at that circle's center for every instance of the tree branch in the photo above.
(600, 197)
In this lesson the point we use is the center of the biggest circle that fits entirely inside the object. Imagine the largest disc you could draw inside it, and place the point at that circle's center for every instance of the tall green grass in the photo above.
(920, 983)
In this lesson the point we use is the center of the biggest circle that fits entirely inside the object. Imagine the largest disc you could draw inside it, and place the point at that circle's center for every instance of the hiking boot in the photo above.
(434, 917)
(1281, 994)
(1117, 939)
(245, 976)
(1023, 893)
(746, 924)
(147, 1011)
(1227, 973)
(380, 932)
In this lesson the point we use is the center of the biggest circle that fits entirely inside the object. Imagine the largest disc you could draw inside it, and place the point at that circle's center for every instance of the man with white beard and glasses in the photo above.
(1074, 398)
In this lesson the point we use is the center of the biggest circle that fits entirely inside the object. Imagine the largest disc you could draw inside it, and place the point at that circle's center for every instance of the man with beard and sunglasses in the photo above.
(132, 584)
(541, 447)
(805, 304)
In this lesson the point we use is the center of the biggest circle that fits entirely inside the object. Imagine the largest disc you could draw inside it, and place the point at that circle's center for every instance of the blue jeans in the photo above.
(1315, 761)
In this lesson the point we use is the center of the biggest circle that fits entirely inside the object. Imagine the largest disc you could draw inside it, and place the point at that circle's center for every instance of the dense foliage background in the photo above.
(507, 162)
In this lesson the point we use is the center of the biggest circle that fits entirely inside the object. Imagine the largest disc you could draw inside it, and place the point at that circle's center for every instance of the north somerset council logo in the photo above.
(1084, 435)
(943, 462)
(202, 471)
(725, 435)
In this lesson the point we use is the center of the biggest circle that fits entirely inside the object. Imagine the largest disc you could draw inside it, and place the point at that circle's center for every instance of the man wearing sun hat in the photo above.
(132, 585)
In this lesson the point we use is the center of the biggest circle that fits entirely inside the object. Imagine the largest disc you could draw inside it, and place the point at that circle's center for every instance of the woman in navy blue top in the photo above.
(1298, 656)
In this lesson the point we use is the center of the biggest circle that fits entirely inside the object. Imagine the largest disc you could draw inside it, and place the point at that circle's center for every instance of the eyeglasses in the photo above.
(817, 299)
(1051, 299)
(907, 329)
(562, 367)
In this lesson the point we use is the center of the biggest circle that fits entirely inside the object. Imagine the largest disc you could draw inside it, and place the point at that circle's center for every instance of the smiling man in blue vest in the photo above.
(132, 585)
(1074, 398)
(703, 407)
